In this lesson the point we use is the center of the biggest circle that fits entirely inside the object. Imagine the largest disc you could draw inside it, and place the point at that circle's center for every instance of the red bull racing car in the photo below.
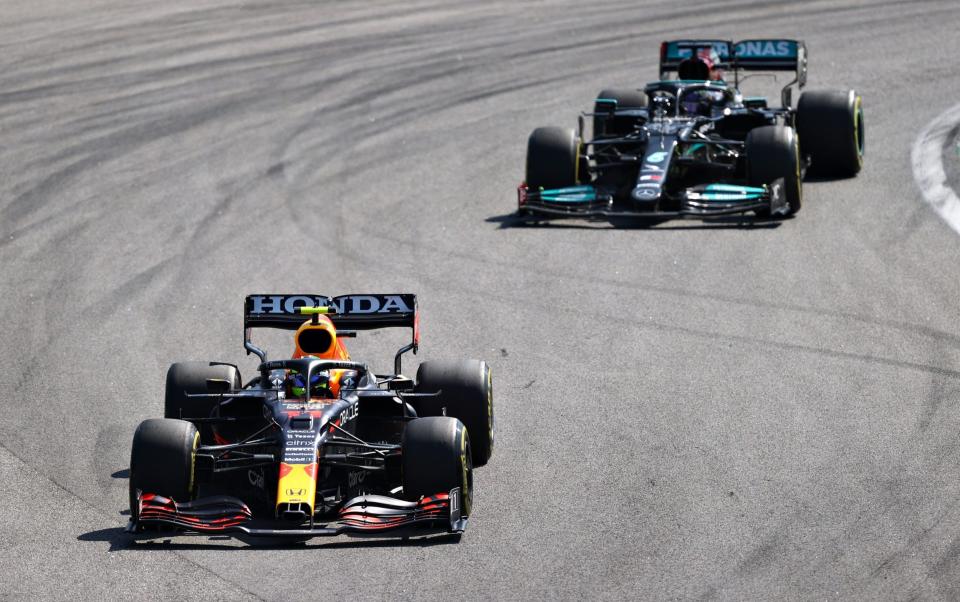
(317, 444)
(692, 145)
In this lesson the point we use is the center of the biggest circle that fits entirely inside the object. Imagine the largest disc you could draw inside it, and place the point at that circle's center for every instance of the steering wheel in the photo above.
(663, 100)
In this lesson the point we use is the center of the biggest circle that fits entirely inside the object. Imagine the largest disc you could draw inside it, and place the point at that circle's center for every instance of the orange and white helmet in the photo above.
(317, 337)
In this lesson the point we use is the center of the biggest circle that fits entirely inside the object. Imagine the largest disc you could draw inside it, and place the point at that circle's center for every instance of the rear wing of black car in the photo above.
(761, 54)
(673, 52)
(347, 312)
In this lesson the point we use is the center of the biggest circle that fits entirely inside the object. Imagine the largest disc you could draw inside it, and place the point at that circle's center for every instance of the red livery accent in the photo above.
(214, 514)
(522, 194)
(225, 514)
(374, 517)
(314, 413)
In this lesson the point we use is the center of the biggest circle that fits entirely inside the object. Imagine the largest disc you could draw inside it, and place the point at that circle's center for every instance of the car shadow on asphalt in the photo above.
(816, 178)
(738, 222)
(117, 537)
(120, 540)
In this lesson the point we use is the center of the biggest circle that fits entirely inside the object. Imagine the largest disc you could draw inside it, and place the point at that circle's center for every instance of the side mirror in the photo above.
(401, 383)
(605, 106)
(755, 103)
(218, 385)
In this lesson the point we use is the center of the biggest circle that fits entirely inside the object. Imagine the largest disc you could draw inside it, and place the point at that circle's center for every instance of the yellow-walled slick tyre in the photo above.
(185, 378)
(615, 127)
(553, 155)
(436, 458)
(162, 460)
(831, 129)
(772, 153)
(466, 393)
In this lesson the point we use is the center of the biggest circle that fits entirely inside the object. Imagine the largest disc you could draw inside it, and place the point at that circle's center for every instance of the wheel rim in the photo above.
(796, 157)
(490, 408)
(858, 130)
(576, 162)
(466, 478)
(191, 488)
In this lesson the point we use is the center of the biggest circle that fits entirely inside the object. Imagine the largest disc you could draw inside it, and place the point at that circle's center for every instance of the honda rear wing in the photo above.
(760, 54)
(347, 312)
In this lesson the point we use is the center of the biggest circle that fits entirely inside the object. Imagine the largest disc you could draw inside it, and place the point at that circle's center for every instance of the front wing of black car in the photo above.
(700, 201)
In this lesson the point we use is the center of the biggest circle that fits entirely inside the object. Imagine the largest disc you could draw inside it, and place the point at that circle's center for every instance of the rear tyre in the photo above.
(162, 460)
(614, 127)
(466, 393)
(190, 378)
(773, 152)
(436, 458)
(831, 130)
(552, 158)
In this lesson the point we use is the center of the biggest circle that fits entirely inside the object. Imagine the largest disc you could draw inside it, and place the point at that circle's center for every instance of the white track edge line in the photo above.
(927, 162)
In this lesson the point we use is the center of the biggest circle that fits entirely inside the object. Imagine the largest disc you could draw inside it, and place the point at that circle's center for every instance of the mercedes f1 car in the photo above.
(316, 444)
(692, 145)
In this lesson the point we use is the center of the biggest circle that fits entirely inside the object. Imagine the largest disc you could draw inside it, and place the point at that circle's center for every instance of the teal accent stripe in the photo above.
(726, 193)
(734, 188)
(719, 196)
(572, 194)
(567, 190)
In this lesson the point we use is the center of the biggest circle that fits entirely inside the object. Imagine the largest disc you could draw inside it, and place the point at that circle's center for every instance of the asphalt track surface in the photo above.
(691, 411)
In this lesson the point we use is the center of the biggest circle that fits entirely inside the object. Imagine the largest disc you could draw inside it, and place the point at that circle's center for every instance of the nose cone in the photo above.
(646, 193)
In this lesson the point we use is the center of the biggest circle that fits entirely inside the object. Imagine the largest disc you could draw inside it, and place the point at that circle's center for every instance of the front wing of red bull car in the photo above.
(656, 153)
(384, 454)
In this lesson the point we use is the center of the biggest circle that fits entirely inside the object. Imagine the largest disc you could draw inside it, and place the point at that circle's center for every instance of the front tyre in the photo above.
(773, 152)
(163, 460)
(831, 129)
(465, 392)
(553, 158)
(436, 458)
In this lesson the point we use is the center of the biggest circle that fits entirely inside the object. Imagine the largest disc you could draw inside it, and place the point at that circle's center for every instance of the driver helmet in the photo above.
(295, 384)
(702, 67)
(701, 102)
